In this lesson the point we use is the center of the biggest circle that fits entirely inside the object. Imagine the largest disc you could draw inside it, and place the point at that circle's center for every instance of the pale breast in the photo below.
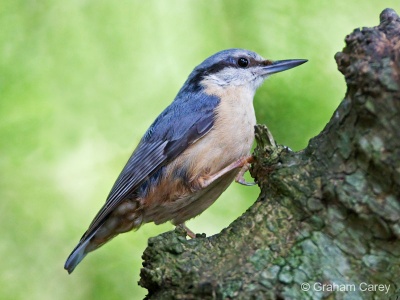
(233, 133)
(230, 139)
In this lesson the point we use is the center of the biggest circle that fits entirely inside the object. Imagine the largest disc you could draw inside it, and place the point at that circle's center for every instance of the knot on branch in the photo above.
(370, 61)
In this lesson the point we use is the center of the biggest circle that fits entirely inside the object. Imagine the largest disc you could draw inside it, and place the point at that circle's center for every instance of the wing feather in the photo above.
(170, 134)
(145, 160)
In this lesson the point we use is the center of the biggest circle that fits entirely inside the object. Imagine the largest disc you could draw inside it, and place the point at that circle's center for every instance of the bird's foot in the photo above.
(189, 233)
(243, 163)
(246, 166)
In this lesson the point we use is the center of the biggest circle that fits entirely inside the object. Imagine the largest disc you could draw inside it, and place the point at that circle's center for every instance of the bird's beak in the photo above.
(281, 65)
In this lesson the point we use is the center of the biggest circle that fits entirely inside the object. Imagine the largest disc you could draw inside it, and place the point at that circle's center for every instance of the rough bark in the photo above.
(328, 214)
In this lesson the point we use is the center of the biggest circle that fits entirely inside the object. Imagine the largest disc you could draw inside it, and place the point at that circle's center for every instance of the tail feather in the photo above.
(78, 253)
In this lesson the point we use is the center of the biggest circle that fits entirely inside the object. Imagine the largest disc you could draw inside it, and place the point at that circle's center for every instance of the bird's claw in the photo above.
(242, 181)
(189, 233)
(245, 167)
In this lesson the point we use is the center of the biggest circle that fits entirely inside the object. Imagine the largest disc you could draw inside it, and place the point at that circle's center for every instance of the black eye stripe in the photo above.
(228, 63)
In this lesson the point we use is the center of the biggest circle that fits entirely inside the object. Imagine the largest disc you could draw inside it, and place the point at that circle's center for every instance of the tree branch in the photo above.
(328, 214)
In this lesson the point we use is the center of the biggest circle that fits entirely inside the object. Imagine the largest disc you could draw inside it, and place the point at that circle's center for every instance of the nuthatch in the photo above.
(191, 153)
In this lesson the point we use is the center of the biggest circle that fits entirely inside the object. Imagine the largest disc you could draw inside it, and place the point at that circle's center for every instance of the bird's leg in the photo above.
(189, 233)
(242, 163)
(239, 177)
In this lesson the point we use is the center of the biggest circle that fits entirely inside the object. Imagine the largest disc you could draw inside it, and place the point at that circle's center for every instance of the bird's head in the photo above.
(237, 67)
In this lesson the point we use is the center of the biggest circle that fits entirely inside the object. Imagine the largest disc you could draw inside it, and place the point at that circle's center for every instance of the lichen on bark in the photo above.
(328, 214)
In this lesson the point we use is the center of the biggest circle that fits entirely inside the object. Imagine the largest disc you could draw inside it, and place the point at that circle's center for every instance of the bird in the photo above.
(191, 153)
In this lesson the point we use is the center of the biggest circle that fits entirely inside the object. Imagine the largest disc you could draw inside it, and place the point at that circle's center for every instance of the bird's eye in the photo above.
(243, 62)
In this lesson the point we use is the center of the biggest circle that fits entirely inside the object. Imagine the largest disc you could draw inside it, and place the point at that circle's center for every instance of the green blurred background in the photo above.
(80, 82)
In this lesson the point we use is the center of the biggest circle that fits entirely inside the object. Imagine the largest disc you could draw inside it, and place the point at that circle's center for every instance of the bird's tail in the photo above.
(78, 253)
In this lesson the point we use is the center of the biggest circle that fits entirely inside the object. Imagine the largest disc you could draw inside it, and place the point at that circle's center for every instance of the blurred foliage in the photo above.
(80, 82)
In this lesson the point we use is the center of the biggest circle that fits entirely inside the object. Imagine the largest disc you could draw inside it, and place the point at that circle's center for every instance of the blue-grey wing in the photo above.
(178, 126)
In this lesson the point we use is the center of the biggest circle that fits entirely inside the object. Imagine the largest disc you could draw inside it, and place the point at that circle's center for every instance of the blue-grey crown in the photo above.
(217, 62)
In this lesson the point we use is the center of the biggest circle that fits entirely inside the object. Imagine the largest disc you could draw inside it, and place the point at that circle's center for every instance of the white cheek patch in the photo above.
(215, 80)
(234, 76)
